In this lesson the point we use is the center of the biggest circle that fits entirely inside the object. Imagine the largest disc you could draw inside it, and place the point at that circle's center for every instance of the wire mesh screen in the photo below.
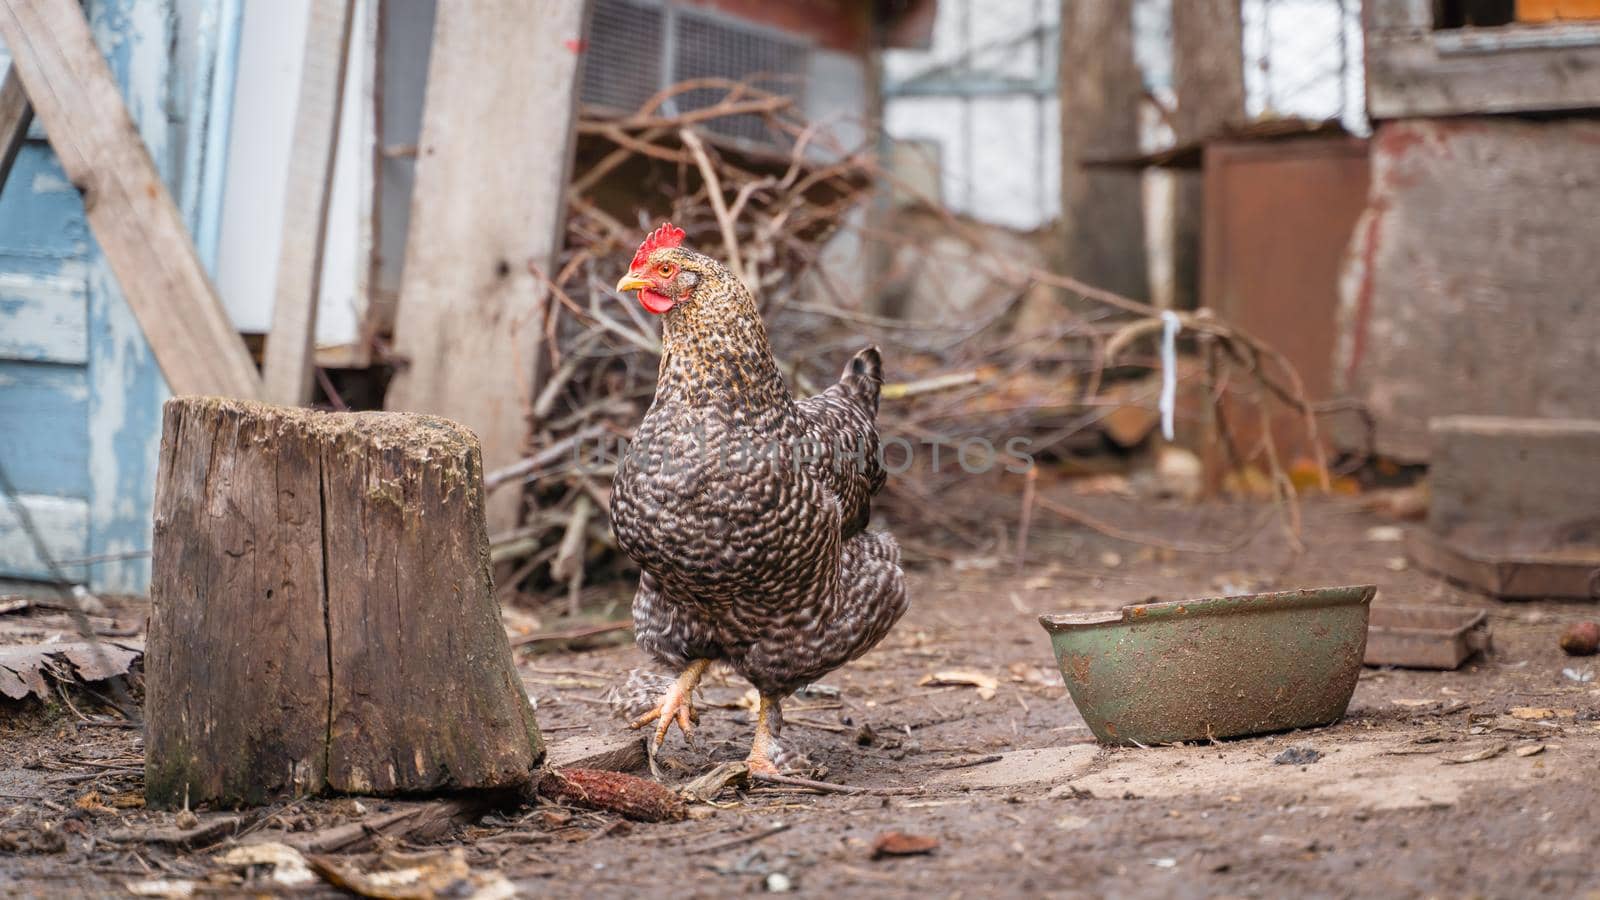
(628, 41)
(622, 66)
(714, 48)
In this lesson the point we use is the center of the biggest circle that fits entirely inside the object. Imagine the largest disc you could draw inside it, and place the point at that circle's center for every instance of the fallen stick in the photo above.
(203, 835)
(570, 633)
(429, 818)
(741, 840)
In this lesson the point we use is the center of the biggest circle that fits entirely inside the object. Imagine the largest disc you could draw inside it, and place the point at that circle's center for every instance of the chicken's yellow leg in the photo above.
(760, 760)
(677, 705)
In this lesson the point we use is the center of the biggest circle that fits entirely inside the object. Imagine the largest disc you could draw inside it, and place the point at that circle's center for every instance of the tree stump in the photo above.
(324, 618)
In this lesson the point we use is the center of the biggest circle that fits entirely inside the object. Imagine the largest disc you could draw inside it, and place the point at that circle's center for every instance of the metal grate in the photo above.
(623, 66)
(710, 47)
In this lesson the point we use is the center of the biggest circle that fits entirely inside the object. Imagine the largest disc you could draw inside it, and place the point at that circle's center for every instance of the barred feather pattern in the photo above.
(746, 509)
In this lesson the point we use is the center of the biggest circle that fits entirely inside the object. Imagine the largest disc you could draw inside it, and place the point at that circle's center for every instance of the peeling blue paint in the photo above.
(80, 414)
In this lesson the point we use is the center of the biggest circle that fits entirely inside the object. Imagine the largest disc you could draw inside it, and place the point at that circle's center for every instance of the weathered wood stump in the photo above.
(324, 618)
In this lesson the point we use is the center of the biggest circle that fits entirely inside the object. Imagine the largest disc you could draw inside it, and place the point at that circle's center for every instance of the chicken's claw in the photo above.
(677, 705)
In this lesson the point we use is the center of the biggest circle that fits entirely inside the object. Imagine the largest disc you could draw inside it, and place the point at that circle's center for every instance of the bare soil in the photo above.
(1430, 786)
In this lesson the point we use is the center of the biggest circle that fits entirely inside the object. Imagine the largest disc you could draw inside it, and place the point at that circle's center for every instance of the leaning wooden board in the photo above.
(127, 205)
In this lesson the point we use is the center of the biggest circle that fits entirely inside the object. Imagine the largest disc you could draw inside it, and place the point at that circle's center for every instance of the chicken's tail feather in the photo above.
(863, 375)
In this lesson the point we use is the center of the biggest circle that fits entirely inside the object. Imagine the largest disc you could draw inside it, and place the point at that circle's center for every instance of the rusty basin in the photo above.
(1192, 670)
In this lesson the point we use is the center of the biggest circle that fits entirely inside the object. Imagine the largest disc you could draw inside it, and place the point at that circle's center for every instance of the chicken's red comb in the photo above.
(668, 235)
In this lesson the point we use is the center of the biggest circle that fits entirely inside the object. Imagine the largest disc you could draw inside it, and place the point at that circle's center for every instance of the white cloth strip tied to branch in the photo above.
(1170, 326)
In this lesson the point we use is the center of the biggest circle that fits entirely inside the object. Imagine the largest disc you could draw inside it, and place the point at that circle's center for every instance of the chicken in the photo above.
(745, 508)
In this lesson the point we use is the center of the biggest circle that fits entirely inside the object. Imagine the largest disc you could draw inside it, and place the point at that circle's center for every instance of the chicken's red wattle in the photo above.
(655, 302)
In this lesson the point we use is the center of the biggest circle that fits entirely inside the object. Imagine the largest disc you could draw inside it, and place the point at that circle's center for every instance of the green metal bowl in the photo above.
(1193, 670)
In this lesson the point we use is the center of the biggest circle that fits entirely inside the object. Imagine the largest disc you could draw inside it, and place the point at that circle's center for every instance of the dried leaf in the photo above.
(440, 875)
(709, 785)
(174, 888)
(1028, 673)
(1530, 750)
(23, 668)
(288, 866)
(898, 843)
(985, 684)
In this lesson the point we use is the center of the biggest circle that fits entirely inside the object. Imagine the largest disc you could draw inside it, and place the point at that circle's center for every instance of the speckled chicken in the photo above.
(747, 509)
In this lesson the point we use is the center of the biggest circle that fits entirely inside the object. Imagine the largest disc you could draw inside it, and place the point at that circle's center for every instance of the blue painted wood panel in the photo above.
(41, 215)
(80, 390)
(44, 427)
(44, 317)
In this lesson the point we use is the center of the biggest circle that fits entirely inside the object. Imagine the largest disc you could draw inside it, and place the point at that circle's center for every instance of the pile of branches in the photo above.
(769, 214)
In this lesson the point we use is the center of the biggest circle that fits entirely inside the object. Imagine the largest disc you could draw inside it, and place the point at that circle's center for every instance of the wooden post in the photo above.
(1208, 76)
(323, 612)
(1102, 218)
(291, 346)
(127, 205)
(488, 205)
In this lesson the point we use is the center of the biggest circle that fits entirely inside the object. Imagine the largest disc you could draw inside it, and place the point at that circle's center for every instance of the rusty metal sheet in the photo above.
(1425, 637)
(1278, 218)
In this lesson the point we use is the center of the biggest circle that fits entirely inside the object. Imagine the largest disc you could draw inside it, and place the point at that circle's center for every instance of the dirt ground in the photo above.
(1430, 786)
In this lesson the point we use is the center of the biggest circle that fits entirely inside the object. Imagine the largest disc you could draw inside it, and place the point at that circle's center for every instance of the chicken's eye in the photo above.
(665, 269)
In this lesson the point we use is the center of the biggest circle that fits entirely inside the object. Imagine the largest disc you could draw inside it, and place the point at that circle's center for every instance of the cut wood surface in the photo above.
(127, 205)
(489, 201)
(305, 216)
(323, 612)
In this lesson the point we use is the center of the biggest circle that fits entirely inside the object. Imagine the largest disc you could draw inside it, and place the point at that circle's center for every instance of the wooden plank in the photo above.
(63, 523)
(1498, 470)
(44, 427)
(1441, 74)
(1398, 15)
(43, 318)
(287, 376)
(16, 114)
(489, 201)
(133, 216)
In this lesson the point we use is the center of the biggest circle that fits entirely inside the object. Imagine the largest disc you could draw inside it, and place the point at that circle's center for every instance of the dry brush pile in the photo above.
(797, 226)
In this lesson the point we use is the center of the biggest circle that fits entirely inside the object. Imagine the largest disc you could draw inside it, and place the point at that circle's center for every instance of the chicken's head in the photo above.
(662, 271)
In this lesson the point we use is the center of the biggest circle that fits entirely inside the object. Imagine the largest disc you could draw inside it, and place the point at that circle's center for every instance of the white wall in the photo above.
(999, 153)
(267, 84)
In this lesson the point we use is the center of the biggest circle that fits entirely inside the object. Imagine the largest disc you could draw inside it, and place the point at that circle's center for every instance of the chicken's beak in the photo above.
(631, 282)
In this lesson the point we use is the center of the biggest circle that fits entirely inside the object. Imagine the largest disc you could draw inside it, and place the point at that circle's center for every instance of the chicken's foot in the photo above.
(760, 758)
(677, 705)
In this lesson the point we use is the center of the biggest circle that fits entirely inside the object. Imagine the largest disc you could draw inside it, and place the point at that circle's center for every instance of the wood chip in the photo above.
(1541, 712)
(898, 843)
(1479, 756)
(986, 684)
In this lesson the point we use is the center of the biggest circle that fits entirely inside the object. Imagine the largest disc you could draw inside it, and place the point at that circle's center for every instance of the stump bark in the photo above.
(323, 613)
